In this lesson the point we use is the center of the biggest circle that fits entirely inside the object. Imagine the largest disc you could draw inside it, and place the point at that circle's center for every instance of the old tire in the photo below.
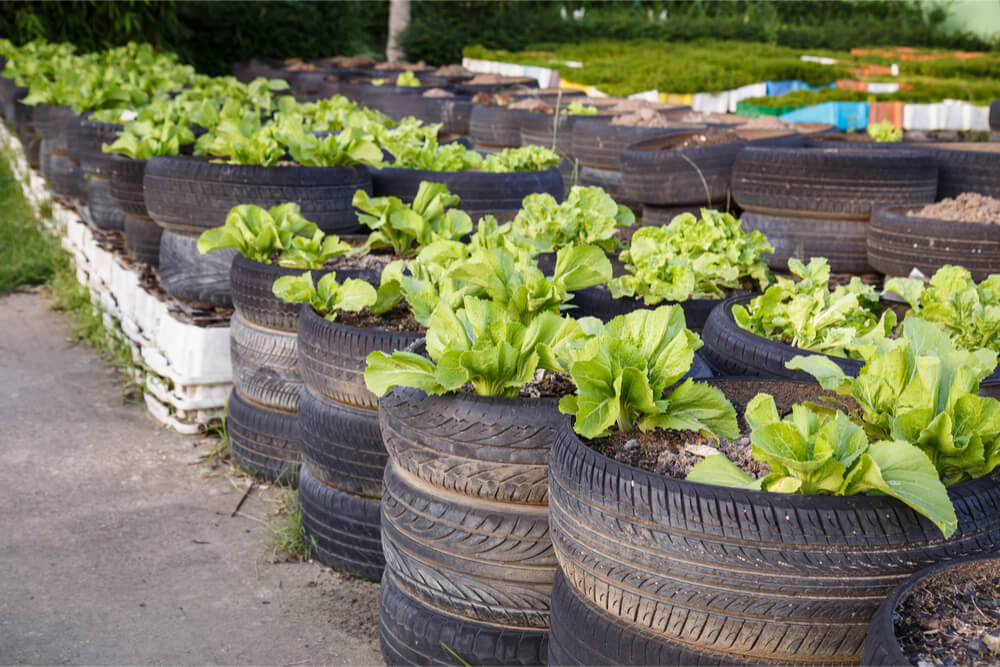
(484, 447)
(250, 286)
(966, 167)
(839, 183)
(484, 560)
(342, 528)
(265, 365)
(103, 209)
(843, 242)
(341, 444)
(64, 177)
(598, 144)
(609, 181)
(332, 357)
(898, 242)
(190, 195)
(495, 126)
(745, 575)
(126, 185)
(190, 275)
(142, 239)
(93, 135)
(52, 123)
(263, 441)
(412, 633)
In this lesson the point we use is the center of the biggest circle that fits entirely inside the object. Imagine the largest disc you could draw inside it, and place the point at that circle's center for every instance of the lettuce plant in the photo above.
(814, 451)
(525, 158)
(408, 79)
(327, 296)
(622, 374)
(692, 258)
(405, 228)
(970, 313)
(579, 109)
(807, 314)
(479, 344)
(279, 235)
(352, 145)
(142, 140)
(588, 216)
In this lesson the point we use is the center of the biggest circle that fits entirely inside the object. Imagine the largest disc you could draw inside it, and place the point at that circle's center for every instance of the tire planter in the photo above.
(743, 576)
(52, 123)
(495, 127)
(452, 112)
(142, 239)
(412, 633)
(657, 173)
(93, 135)
(537, 129)
(611, 182)
(344, 529)
(482, 193)
(464, 518)
(142, 235)
(966, 167)
(265, 366)
(187, 274)
(251, 284)
(898, 242)
(598, 144)
(263, 441)
(103, 209)
(843, 183)
(843, 242)
(189, 195)
(64, 177)
(734, 351)
(882, 646)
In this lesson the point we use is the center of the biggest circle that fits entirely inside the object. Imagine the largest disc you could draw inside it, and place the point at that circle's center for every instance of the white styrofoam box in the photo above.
(647, 95)
(822, 60)
(109, 306)
(136, 337)
(546, 77)
(492, 67)
(920, 117)
(102, 261)
(956, 115)
(81, 275)
(746, 92)
(188, 398)
(879, 87)
(124, 285)
(194, 355)
(162, 414)
(980, 121)
(712, 102)
(74, 232)
(66, 243)
(148, 311)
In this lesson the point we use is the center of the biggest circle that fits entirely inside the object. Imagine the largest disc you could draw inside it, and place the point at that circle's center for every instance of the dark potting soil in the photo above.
(708, 138)
(952, 617)
(400, 318)
(373, 261)
(548, 384)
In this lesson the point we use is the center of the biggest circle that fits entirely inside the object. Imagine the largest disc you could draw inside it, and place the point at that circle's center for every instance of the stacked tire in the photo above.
(96, 165)
(187, 196)
(261, 418)
(142, 234)
(813, 202)
(343, 457)
(494, 128)
(469, 563)
(550, 131)
(63, 175)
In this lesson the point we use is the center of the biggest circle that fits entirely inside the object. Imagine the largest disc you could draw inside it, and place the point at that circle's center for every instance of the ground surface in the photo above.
(117, 546)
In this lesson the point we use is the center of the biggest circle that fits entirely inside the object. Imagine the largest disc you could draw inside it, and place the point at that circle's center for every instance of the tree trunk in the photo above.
(399, 18)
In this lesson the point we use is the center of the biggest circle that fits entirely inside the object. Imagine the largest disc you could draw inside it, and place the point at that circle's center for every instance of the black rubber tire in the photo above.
(142, 239)
(190, 195)
(746, 575)
(452, 112)
(412, 633)
(484, 447)
(412, 106)
(73, 137)
(515, 86)
(599, 145)
(93, 135)
(655, 173)
(582, 635)
(51, 122)
(843, 242)
(332, 357)
(103, 209)
(487, 561)
(126, 185)
(838, 183)
(995, 115)
(33, 149)
(391, 97)
(611, 182)
(481, 193)
(342, 529)
(64, 177)
(882, 646)
(190, 275)
(537, 129)
(966, 167)
(341, 445)
(734, 351)
(598, 302)
(265, 365)
(496, 126)
(263, 441)
(898, 242)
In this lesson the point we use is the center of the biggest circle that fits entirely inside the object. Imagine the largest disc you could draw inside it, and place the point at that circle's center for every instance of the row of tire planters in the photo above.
(187, 195)
(142, 234)
(495, 127)
(899, 241)
(934, 587)
(452, 111)
(18, 117)
(55, 125)
(814, 201)
(469, 562)
(686, 169)
(263, 407)
(97, 167)
(481, 193)
(657, 570)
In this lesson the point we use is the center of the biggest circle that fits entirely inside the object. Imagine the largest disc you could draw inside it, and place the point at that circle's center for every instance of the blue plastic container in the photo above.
(842, 115)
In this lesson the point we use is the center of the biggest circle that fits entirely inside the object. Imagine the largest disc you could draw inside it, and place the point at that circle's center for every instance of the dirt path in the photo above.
(116, 547)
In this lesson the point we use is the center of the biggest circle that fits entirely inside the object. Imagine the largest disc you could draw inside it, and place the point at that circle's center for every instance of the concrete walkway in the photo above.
(117, 546)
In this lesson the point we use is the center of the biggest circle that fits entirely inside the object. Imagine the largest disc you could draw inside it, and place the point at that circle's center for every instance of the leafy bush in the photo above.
(588, 216)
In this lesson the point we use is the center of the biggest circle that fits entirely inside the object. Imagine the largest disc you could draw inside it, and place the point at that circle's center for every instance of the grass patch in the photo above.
(28, 256)
(287, 541)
